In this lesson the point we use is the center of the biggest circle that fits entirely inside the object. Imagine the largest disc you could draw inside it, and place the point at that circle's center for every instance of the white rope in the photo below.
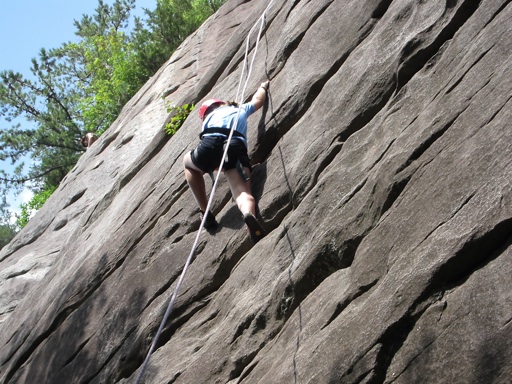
(262, 18)
(212, 193)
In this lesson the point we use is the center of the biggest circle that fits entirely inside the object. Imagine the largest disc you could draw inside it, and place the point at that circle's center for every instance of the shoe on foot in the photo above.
(256, 231)
(210, 222)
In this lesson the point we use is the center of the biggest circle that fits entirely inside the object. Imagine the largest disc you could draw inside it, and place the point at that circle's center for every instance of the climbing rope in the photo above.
(239, 98)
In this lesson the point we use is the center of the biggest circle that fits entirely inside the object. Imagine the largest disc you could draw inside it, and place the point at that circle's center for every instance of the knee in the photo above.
(245, 197)
(190, 167)
(187, 160)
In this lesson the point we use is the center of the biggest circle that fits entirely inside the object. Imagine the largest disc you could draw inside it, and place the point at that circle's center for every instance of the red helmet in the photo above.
(207, 104)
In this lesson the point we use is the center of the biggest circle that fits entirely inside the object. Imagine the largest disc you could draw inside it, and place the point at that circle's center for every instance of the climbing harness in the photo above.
(239, 96)
(225, 132)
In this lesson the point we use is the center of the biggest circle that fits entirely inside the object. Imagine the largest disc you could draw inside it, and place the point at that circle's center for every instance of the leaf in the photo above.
(180, 114)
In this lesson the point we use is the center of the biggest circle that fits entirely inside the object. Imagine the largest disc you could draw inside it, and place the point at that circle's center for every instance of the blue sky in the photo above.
(26, 26)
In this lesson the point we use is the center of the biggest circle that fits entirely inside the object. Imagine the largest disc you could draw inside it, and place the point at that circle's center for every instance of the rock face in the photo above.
(384, 180)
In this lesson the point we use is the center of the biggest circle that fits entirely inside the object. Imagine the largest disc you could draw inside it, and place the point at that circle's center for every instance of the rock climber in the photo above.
(88, 139)
(218, 117)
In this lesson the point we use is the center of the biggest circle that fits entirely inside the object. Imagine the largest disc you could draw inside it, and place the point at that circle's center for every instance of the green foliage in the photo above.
(168, 25)
(7, 233)
(180, 114)
(107, 58)
(110, 58)
(7, 230)
(46, 103)
(30, 208)
(77, 88)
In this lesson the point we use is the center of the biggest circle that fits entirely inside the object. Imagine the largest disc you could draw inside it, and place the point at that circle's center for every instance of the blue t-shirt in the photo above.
(225, 117)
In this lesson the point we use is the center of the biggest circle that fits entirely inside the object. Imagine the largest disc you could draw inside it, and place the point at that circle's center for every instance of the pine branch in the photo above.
(26, 179)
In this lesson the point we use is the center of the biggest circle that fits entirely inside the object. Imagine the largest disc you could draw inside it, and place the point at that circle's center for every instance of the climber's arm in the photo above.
(259, 97)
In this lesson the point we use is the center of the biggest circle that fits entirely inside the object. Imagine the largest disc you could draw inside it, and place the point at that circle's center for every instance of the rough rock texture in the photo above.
(384, 179)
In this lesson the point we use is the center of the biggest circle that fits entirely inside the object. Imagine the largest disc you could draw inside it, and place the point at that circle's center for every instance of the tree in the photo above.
(169, 24)
(28, 209)
(7, 233)
(107, 56)
(7, 230)
(47, 105)
(77, 88)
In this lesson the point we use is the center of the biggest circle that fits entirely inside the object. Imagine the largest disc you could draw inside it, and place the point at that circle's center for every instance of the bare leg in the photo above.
(241, 191)
(195, 180)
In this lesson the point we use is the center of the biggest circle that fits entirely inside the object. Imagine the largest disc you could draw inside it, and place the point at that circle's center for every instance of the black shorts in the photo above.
(208, 154)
